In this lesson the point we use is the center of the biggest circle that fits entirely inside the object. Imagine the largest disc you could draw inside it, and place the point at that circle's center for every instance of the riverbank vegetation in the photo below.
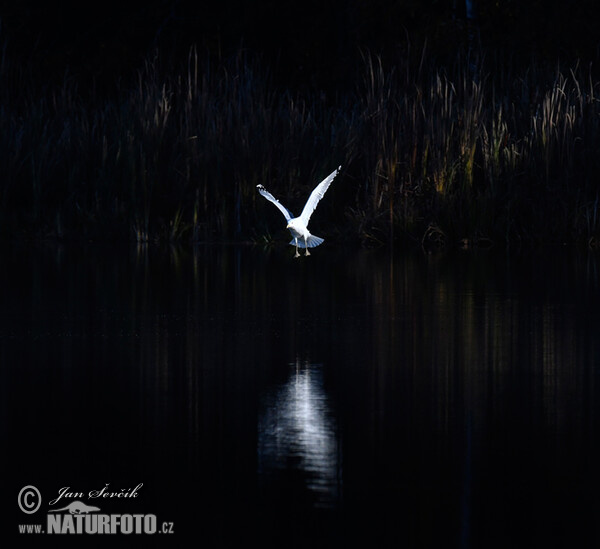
(473, 150)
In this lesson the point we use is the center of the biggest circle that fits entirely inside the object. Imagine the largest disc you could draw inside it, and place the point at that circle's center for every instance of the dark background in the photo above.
(315, 43)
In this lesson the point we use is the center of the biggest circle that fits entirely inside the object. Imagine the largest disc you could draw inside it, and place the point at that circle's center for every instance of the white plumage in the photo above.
(298, 226)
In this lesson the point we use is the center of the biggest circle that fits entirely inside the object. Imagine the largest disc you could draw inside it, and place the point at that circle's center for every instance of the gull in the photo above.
(298, 226)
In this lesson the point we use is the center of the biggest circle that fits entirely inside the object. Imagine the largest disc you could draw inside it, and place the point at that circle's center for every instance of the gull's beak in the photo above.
(287, 226)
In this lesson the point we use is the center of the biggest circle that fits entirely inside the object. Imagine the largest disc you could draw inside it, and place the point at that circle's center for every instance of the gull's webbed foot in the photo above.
(307, 252)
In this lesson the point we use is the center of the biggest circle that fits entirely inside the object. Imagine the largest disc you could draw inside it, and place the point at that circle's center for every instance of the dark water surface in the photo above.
(406, 401)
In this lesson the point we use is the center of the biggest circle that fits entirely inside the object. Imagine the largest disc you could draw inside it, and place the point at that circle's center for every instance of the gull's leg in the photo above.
(306, 247)
(296, 241)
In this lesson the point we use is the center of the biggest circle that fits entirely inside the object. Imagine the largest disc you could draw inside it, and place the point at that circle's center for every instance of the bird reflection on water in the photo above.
(297, 437)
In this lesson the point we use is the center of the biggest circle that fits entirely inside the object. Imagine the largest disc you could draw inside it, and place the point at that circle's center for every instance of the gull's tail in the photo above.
(311, 242)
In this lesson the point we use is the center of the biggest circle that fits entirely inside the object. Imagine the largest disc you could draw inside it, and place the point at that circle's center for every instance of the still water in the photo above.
(411, 400)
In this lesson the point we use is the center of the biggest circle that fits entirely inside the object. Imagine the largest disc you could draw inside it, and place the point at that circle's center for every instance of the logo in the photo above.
(77, 508)
(78, 517)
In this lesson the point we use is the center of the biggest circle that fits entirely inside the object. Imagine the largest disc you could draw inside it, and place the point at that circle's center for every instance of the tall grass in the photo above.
(467, 153)
(484, 156)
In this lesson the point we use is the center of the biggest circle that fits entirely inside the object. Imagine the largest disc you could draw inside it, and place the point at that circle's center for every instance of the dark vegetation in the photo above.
(450, 133)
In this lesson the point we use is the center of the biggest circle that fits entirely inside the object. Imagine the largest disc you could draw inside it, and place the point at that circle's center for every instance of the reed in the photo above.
(460, 153)
(481, 156)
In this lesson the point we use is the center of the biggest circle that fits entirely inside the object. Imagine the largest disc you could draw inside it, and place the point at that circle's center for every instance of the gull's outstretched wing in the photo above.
(318, 193)
(271, 198)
